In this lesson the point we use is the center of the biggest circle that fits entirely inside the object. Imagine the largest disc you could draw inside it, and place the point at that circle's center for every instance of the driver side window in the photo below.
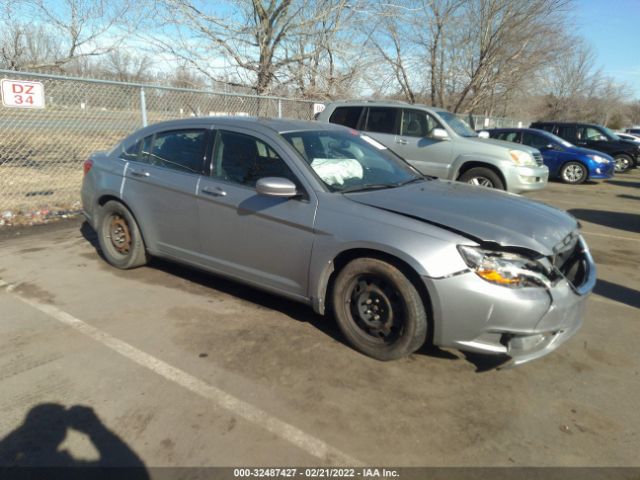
(535, 141)
(244, 159)
(416, 123)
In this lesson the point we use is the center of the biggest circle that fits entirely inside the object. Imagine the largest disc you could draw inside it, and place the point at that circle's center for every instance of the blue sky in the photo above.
(612, 27)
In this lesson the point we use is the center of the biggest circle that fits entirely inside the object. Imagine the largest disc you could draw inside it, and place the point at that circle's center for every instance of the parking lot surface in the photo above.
(179, 368)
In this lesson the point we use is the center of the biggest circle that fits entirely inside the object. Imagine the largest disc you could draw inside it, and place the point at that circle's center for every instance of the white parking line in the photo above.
(285, 431)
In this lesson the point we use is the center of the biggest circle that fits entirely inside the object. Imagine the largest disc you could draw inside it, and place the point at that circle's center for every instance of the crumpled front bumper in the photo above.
(472, 314)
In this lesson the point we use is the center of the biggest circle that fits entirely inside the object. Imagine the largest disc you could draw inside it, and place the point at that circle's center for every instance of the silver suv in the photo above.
(440, 144)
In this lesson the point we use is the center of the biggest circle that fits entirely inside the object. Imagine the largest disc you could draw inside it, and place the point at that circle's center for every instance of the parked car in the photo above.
(441, 144)
(633, 130)
(566, 162)
(329, 217)
(595, 137)
(629, 137)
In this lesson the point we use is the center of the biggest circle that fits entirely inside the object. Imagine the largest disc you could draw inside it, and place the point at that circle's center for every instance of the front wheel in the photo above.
(573, 173)
(623, 163)
(378, 309)
(482, 177)
(119, 237)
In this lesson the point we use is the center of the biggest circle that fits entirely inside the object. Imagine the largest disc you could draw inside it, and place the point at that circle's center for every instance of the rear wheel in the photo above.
(482, 177)
(378, 309)
(119, 237)
(623, 163)
(573, 172)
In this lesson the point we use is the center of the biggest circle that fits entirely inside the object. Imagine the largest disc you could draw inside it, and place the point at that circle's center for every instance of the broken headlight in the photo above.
(505, 268)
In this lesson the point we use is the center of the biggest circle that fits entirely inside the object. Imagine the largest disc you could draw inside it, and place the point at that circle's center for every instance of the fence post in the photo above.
(279, 108)
(143, 107)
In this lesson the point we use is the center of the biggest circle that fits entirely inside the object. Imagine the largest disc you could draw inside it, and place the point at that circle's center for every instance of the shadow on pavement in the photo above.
(618, 293)
(36, 442)
(629, 222)
(294, 310)
(620, 183)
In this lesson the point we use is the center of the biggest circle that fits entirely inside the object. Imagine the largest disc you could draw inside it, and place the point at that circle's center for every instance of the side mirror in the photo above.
(439, 134)
(276, 187)
(548, 146)
(484, 134)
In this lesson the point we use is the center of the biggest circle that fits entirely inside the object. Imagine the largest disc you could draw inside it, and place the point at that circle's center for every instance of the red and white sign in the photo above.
(22, 94)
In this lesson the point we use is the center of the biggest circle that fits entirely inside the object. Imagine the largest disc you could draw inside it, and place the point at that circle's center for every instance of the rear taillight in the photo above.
(86, 166)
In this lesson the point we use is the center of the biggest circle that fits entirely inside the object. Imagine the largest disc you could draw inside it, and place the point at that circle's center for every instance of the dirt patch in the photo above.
(31, 290)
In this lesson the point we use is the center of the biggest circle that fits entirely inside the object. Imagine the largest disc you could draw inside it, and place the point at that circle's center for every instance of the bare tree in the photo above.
(253, 38)
(54, 36)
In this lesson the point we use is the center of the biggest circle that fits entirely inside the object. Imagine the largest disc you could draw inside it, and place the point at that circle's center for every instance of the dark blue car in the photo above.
(566, 162)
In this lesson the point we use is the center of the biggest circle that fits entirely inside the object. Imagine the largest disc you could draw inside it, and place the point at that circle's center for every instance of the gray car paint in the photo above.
(289, 246)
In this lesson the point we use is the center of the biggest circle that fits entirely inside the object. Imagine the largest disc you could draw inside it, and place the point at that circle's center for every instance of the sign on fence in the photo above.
(22, 94)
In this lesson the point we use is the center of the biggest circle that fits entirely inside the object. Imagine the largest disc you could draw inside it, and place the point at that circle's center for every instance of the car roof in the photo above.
(277, 125)
(382, 103)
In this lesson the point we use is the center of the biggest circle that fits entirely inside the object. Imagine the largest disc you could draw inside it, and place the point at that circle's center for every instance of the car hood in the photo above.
(505, 144)
(484, 215)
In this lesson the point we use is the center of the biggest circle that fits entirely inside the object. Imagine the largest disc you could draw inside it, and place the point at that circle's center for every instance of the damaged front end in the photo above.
(513, 301)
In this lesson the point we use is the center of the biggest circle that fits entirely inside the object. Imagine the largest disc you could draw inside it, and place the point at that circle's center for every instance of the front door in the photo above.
(430, 156)
(263, 240)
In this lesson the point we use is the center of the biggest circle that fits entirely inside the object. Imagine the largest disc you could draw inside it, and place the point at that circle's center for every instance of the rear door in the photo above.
(414, 143)
(160, 187)
(263, 240)
(382, 123)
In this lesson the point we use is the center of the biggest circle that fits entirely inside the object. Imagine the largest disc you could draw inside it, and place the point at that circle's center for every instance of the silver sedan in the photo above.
(330, 217)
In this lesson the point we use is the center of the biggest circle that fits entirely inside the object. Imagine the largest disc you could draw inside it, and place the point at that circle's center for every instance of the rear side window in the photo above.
(382, 120)
(131, 153)
(565, 131)
(509, 136)
(347, 116)
(181, 150)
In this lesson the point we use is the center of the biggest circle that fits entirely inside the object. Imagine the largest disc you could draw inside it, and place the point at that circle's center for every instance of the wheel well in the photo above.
(469, 165)
(345, 257)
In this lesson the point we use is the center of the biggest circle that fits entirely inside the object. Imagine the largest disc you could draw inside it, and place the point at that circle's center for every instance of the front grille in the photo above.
(538, 158)
(572, 262)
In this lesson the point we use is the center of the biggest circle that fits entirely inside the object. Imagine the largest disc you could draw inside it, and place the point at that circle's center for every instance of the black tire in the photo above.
(395, 325)
(483, 177)
(623, 163)
(119, 237)
(573, 173)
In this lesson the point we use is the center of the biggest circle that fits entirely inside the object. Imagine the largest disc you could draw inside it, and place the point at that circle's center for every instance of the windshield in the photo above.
(348, 162)
(609, 134)
(557, 139)
(458, 125)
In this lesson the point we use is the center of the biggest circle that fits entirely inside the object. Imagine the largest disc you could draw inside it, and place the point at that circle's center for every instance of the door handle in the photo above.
(139, 173)
(401, 141)
(214, 192)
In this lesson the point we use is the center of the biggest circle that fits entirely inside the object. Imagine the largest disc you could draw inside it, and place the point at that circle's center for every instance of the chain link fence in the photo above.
(42, 149)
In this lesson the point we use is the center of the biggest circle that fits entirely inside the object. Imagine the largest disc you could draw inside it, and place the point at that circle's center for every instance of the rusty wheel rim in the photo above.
(120, 235)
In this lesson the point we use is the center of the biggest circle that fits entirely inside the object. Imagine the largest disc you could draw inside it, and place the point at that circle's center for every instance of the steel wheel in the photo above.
(119, 234)
(376, 308)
